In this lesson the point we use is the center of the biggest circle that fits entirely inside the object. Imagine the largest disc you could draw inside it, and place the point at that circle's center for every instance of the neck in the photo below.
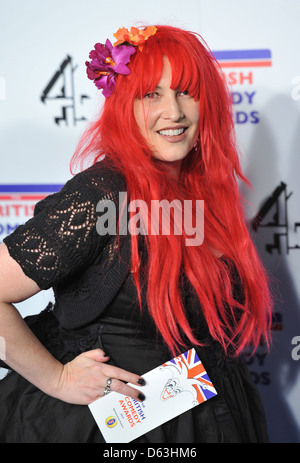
(173, 168)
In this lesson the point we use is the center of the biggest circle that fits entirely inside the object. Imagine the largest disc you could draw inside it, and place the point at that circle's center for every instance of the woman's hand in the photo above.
(83, 380)
(80, 381)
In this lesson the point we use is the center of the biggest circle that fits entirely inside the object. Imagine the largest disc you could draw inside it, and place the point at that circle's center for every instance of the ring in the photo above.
(107, 389)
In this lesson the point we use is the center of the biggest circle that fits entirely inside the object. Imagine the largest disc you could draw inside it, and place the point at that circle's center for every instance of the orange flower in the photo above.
(135, 37)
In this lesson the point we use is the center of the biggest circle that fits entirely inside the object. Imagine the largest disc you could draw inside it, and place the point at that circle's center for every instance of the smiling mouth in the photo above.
(172, 132)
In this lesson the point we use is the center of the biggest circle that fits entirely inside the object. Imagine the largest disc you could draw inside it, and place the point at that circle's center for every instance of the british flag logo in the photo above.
(188, 375)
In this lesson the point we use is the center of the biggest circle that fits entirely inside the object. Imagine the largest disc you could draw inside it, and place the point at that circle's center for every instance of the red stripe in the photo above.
(196, 371)
(244, 64)
(17, 197)
(200, 397)
(193, 371)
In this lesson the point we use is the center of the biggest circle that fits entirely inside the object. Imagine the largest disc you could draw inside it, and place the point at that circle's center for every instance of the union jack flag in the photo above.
(193, 369)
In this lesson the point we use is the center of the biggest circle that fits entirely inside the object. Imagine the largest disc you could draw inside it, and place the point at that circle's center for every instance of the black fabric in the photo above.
(61, 248)
(28, 415)
(107, 315)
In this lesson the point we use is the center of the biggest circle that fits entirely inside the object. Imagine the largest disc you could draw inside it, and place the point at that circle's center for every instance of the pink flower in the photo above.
(106, 62)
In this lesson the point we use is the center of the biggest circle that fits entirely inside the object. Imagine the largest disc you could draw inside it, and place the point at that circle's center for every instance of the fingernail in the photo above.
(141, 381)
(141, 397)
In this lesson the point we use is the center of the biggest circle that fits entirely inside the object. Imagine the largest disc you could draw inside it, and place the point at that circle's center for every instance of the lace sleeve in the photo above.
(61, 238)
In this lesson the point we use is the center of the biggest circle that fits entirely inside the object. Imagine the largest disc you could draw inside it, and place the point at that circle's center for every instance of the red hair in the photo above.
(210, 173)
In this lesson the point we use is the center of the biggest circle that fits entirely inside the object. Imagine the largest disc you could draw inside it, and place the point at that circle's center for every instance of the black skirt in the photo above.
(27, 415)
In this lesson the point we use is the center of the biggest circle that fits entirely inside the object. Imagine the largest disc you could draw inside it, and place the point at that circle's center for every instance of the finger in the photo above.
(126, 390)
(97, 355)
(123, 375)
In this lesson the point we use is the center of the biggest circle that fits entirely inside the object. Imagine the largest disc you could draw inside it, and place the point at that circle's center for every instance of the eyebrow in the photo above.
(160, 88)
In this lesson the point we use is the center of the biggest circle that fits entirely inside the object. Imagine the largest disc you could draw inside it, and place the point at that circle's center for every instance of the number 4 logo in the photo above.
(61, 88)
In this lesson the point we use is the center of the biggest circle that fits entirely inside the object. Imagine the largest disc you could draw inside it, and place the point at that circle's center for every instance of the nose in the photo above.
(172, 109)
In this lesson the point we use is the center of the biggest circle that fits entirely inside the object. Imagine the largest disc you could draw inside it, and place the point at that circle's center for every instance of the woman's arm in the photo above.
(80, 381)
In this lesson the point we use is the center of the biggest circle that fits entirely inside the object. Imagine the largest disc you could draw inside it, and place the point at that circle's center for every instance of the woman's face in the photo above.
(168, 119)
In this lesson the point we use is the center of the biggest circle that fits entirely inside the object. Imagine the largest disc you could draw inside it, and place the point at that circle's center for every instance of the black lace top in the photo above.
(96, 307)
(61, 248)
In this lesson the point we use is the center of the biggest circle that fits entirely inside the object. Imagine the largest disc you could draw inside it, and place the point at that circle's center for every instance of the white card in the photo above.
(171, 389)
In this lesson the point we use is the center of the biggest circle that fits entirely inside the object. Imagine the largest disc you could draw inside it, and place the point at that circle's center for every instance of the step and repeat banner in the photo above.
(46, 102)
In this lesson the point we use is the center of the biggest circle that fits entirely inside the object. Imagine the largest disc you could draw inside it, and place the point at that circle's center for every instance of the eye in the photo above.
(185, 92)
(151, 96)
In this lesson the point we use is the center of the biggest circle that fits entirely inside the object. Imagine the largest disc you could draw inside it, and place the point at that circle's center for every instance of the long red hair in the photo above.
(209, 172)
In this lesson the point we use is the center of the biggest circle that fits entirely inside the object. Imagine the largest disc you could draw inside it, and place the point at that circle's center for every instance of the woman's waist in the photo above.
(130, 345)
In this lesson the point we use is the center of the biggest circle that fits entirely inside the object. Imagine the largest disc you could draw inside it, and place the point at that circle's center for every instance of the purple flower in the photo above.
(106, 62)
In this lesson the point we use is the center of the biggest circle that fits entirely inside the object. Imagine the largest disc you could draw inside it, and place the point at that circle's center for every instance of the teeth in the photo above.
(171, 133)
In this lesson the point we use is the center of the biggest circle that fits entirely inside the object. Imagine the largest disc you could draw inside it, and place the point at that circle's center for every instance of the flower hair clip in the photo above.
(107, 61)
(135, 37)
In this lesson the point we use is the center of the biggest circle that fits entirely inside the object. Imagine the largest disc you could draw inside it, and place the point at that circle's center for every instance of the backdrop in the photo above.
(46, 101)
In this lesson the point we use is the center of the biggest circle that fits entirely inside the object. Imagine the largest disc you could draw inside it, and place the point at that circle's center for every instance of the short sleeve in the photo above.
(61, 239)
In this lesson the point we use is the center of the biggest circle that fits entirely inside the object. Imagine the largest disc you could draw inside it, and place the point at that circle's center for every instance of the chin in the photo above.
(170, 157)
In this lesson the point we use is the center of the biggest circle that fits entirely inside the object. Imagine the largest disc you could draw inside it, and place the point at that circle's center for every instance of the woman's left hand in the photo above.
(84, 379)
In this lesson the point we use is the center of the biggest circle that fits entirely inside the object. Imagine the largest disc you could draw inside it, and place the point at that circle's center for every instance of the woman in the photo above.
(138, 296)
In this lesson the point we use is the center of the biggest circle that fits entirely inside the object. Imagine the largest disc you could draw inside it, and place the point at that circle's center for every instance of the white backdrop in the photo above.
(44, 40)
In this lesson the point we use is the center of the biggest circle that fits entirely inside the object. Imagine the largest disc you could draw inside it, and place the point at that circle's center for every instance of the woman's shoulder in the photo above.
(102, 175)
(98, 182)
